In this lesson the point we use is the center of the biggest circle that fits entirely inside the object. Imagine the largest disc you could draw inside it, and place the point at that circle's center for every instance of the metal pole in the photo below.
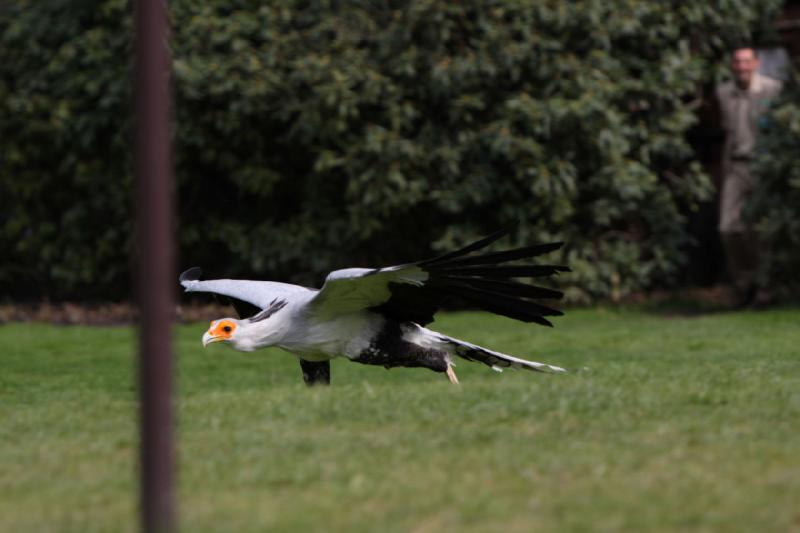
(156, 271)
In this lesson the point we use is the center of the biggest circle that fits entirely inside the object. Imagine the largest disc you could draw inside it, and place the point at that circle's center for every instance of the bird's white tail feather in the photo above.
(498, 361)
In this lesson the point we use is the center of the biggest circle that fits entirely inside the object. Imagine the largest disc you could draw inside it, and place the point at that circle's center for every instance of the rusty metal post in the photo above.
(156, 273)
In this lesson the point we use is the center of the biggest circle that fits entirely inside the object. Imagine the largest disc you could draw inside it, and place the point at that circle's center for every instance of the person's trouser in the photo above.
(741, 243)
(741, 254)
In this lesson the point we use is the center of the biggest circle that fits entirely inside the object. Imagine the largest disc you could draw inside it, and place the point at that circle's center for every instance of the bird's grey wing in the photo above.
(258, 293)
(355, 289)
(415, 291)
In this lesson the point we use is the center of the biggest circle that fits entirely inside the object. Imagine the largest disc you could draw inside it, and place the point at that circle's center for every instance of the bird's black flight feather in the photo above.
(479, 279)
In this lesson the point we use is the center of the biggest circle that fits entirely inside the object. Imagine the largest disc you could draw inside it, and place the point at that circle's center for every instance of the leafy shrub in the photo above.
(776, 204)
(311, 136)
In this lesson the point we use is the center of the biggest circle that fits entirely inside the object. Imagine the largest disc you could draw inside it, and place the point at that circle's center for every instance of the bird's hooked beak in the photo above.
(209, 338)
(220, 330)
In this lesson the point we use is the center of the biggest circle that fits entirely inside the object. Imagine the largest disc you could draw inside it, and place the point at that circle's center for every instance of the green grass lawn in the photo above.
(665, 423)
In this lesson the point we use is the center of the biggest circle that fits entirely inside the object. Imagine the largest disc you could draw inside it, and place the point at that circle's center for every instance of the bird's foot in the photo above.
(451, 375)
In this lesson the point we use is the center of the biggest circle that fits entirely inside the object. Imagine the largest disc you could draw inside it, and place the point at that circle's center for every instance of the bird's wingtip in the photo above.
(191, 274)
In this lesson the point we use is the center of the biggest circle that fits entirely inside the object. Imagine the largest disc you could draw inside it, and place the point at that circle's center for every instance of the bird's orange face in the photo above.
(220, 331)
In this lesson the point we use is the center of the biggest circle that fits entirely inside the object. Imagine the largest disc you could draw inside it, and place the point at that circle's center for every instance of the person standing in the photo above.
(743, 101)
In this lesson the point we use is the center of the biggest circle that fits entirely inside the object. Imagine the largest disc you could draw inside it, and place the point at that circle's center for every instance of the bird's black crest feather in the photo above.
(274, 306)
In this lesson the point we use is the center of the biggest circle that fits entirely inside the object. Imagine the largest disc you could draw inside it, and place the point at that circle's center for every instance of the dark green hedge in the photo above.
(776, 206)
(317, 135)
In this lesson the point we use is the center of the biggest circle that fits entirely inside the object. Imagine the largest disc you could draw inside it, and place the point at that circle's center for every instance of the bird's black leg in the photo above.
(316, 372)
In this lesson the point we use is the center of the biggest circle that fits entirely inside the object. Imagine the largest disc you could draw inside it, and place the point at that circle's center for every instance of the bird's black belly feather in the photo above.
(389, 349)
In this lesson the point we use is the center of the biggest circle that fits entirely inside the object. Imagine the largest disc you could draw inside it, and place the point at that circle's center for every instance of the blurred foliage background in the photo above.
(775, 209)
(319, 135)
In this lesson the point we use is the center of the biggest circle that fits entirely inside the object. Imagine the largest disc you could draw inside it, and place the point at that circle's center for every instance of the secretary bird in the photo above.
(377, 316)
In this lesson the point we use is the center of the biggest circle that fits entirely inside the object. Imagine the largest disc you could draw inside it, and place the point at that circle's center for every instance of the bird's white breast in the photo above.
(346, 335)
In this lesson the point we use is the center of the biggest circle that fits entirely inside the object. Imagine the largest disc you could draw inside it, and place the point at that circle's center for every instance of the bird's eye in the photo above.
(227, 329)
